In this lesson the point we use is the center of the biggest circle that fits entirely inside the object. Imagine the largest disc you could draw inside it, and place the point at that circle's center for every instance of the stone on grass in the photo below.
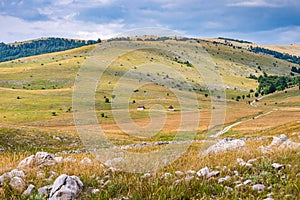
(44, 191)
(69, 159)
(166, 175)
(277, 166)
(221, 180)
(95, 191)
(66, 187)
(40, 159)
(28, 191)
(179, 173)
(189, 178)
(258, 187)
(203, 172)
(86, 161)
(246, 182)
(225, 145)
(17, 183)
(190, 172)
(281, 142)
(242, 163)
(146, 176)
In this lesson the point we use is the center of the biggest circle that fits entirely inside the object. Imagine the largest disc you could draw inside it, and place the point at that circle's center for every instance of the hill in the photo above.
(38, 113)
(39, 46)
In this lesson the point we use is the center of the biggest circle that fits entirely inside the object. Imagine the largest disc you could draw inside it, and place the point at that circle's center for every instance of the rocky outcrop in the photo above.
(281, 142)
(40, 159)
(66, 187)
(225, 145)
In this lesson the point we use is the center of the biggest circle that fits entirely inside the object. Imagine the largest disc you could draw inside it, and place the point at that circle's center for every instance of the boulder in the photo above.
(17, 183)
(28, 191)
(66, 187)
(44, 191)
(40, 159)
(258, 187)
(225, 145)
(281, 142)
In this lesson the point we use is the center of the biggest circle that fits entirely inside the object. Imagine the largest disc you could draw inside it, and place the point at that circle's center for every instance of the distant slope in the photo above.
(39, 46)
(292, 49)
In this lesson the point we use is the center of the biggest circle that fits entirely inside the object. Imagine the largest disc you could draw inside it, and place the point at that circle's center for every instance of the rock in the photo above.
(269, 198)
(16, 172)
(17, 183)
(40, 159)
(166, 176)
(44, 159)
(57, 138)
(247, 182)
(236, 173)
(203, 172)
(225, 145)
(213, 173)
(28, 191)
(66, 187)
(44, 191)
(26, 163)
(189, 178)
(221, 180)
(239, 185)
(281, 142)
(177, 181)
(95, 191)
(251, 161)
(179, 173)
(146, 176)
(58, 159)
(111, 170)
(277, 166)
(190, 172)
(241, 162)
(258, 187)
(69, 159)
(86, 161)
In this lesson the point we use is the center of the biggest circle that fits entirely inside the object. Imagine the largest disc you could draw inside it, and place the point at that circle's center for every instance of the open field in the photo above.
(37, 114)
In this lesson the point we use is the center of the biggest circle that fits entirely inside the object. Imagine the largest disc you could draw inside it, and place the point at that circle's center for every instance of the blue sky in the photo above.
(261, 21)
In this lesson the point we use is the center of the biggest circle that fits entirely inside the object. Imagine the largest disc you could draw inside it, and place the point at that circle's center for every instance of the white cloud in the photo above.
(283, 35)
(256, 3)
(23, 30)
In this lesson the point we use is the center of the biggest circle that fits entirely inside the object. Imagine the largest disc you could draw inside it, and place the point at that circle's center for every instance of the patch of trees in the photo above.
(294, 69)
(283, 56)
(235, 40)
(270, 84)
(37, 47)
(187, 63)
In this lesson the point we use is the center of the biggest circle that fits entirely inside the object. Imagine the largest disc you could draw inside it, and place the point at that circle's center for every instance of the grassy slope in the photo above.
(44, 89)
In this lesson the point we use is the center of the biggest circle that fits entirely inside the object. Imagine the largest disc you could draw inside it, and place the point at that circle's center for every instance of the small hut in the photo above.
(140, 108)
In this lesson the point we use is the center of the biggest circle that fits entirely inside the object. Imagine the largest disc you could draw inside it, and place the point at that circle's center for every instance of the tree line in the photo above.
(37, 47)
(283, 56)
(270, 84)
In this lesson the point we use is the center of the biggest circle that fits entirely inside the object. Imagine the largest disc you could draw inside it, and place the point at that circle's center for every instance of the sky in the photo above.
(259, 21)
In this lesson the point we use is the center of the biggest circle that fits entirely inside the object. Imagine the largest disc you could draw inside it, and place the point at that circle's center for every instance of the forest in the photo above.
(41, 46)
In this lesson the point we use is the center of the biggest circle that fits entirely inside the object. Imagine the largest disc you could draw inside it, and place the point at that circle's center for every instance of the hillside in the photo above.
(245, 100)
(38, 46)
